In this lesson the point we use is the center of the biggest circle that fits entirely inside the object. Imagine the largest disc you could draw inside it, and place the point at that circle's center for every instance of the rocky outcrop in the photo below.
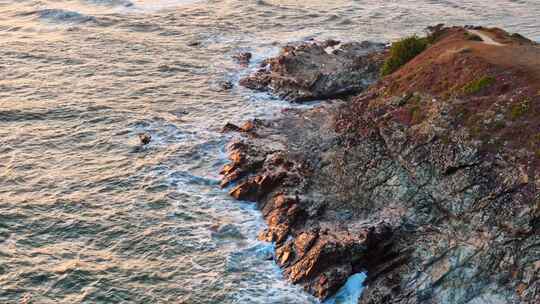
(315, 247)
(468, 214)
(243, 58)
(318, 70)
(428, 218)
(419, 185)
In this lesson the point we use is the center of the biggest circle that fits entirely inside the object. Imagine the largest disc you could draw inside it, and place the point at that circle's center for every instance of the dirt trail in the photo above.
(485, 37)
(498, 49)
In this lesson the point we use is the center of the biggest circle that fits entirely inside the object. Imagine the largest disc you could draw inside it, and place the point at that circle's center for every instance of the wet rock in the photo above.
(304, 242)
(309, 71)
(226, 85)
(257, 187)
(229, 127)
(319, 261)
(330, 43)
(242, 58)
(145, 138)
(194, 43)
(244, 160)
(248, 127)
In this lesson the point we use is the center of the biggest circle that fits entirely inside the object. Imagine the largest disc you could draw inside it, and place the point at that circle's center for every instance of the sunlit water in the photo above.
(86, 215)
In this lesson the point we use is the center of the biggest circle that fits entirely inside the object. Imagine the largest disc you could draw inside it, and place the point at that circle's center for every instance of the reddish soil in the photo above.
(454, 60)
(503, 113)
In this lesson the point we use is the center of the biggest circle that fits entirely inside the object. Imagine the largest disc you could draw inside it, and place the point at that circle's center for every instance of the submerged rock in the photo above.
(227, 231)
(318, 70)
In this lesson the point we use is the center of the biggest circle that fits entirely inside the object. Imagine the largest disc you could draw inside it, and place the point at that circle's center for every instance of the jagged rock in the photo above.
(145, 138)
(226, 85)
(320, 260)
(248, 127)
(257, 187)
(243, 58)
(229, 127)
(314, 70)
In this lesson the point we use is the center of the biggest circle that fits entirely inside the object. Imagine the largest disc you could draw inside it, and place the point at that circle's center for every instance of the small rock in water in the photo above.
(227, 85)
(229, 127)
(331, 43)
(145, 138)
(243, 58)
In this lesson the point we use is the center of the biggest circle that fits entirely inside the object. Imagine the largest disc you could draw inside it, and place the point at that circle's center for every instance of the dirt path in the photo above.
(486, 38)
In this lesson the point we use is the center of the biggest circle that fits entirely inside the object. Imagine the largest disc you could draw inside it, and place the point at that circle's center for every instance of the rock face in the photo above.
(318, 70)
(317, 249)
(405, 185)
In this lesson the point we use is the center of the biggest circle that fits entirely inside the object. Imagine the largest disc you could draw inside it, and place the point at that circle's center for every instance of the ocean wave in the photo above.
(152, 6)
(60, 16)
(122, 3)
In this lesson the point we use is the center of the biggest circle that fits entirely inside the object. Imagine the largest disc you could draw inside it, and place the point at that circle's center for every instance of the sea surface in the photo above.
(87, 215)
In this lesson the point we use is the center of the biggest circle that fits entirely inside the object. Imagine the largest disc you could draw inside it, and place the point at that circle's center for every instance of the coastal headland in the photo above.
(420, 168)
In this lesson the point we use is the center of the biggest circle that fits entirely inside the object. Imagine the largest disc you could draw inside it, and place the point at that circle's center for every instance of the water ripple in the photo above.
(87, 215)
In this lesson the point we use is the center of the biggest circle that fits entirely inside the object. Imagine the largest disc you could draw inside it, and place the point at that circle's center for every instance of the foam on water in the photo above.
(350, 292)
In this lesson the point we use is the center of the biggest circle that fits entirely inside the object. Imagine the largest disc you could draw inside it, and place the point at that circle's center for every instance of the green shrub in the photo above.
(402, 52)
(478, 85)
(434, 33)
(519, 109)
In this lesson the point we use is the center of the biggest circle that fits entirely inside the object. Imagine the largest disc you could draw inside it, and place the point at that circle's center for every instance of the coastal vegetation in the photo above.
(519, 109)
(402, 52)
(478, 85)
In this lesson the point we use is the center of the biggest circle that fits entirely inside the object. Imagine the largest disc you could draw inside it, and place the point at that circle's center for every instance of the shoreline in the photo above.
(399, 181)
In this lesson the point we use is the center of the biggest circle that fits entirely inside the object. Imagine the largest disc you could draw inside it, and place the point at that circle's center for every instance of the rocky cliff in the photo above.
(427, 180)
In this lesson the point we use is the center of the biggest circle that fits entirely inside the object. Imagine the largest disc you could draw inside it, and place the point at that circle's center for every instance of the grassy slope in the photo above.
(493, 91)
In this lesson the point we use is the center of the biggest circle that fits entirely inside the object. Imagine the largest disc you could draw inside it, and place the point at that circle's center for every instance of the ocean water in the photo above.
(86, 214)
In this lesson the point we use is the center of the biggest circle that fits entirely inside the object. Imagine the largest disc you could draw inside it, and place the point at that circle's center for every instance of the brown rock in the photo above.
(229, 127)
(307, 72)
(243, 58)
(246, 191)
(304, 242)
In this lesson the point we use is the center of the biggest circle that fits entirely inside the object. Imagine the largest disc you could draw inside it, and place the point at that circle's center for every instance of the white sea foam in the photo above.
(350, 292)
